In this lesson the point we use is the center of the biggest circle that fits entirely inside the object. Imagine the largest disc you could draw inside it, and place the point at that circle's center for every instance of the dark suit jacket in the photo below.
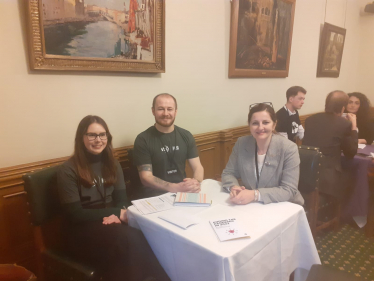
(332, 134)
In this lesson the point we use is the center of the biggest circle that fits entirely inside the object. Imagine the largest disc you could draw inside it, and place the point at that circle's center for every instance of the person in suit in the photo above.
(359, 105)
(332, 133)
(266, 162)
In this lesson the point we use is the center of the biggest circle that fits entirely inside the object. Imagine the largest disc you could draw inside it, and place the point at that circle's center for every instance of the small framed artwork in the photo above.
(97, 35)
(330, 51)
(260, 37)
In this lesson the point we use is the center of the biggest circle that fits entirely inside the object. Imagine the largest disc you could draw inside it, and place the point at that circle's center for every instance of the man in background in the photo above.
(161, 151)
(332, 133)
(288, 120)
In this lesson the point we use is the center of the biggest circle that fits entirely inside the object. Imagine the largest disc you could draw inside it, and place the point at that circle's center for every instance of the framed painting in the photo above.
(330, 51)
(260, 37)
(97, 35)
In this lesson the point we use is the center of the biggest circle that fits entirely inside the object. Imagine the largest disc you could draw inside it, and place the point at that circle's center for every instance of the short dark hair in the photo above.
(80, 156)
(292, 92)
(164, 94)
(262, 107)
(335, 101)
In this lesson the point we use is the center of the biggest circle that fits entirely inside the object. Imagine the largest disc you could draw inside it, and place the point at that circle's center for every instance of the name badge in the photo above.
(172, 171)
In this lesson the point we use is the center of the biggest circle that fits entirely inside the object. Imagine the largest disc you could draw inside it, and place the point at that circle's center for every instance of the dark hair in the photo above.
(363, 113)
(81, 154)
(262, 107)
(164, 94)
(335, 101)
(292, 92)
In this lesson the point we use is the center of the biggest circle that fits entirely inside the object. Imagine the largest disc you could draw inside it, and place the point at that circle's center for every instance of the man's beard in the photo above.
(166, 126)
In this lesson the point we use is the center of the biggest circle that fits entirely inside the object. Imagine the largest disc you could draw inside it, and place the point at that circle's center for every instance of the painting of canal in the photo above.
(118, 29)
(263, 35)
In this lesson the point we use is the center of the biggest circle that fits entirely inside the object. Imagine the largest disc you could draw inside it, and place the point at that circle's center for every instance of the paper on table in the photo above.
(361, 145)
(154, 204)
(179, 218)
(228, 229)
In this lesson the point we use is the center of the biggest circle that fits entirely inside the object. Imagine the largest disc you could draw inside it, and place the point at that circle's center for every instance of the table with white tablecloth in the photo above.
(281, 241)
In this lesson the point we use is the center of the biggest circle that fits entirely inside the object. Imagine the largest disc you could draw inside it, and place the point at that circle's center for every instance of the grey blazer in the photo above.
(279, 177)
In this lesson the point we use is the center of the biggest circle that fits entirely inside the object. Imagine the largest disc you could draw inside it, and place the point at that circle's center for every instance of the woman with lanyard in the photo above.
(266, 163)
(92, 193)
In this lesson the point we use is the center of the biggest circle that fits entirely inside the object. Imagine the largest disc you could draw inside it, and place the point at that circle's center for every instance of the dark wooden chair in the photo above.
(324, 273)
(322, 209)
(13, 272)
(369, 227)
(132, 178)
(53, 262)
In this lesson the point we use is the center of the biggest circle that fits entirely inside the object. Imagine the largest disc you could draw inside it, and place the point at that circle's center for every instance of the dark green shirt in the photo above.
(167, 153)
(79, 202)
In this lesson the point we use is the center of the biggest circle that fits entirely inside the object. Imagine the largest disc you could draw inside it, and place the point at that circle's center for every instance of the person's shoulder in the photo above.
(316, 115)
(67, 167)
(284, 142)
(281, 112)
(184, 133)
(148, 133)
(245, 139)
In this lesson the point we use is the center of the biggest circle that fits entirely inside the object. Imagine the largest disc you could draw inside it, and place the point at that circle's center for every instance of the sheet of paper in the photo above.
(228, 229)
(154, 204)
(361, 145)
(180, 218)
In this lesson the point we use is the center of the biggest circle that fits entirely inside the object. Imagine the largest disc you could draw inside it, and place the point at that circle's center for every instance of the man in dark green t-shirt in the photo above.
(161, 151)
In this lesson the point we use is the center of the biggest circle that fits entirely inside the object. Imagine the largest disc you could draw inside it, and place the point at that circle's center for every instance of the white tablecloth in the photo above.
(280, 241)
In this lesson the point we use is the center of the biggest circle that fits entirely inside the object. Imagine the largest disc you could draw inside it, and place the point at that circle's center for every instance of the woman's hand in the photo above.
(242, 196)
(123, 216)
(111, 219)
(235, 190)
(362, 141)
(352, 117)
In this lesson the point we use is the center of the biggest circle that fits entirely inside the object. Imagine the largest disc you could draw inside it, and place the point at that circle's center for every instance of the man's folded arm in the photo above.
(149, 180)
(197, 168)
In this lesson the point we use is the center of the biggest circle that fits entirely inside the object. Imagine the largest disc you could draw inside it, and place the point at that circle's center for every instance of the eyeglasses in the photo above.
(255, 104)
(93, 136)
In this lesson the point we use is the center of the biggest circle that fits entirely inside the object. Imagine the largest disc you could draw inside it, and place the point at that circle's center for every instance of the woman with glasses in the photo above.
(266, 163)
(92, 192)
(359, 104)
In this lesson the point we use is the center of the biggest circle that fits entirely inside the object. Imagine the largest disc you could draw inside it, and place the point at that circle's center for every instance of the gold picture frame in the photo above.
(260, 38)
(331, 49)
(140, 46)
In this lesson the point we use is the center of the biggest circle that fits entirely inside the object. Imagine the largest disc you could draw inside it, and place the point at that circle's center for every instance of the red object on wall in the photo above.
(132, 22)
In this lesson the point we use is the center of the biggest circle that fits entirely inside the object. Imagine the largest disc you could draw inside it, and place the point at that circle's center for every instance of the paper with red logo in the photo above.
(228, 229)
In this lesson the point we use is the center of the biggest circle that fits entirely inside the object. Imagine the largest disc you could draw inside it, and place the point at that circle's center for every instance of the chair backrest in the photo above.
(132, 178)
(41, 188)
(310, 158)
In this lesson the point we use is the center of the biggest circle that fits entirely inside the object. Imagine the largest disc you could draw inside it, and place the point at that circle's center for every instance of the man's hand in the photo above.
(111, 219)
(188, 185)
(352, 117)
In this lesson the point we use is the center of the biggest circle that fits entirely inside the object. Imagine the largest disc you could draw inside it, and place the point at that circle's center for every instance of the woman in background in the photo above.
(267, 163)
(93, 196)
(359, 104)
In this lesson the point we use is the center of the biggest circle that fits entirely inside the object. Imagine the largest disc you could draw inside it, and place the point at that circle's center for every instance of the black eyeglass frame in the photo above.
(103, 137)
(257, 103)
